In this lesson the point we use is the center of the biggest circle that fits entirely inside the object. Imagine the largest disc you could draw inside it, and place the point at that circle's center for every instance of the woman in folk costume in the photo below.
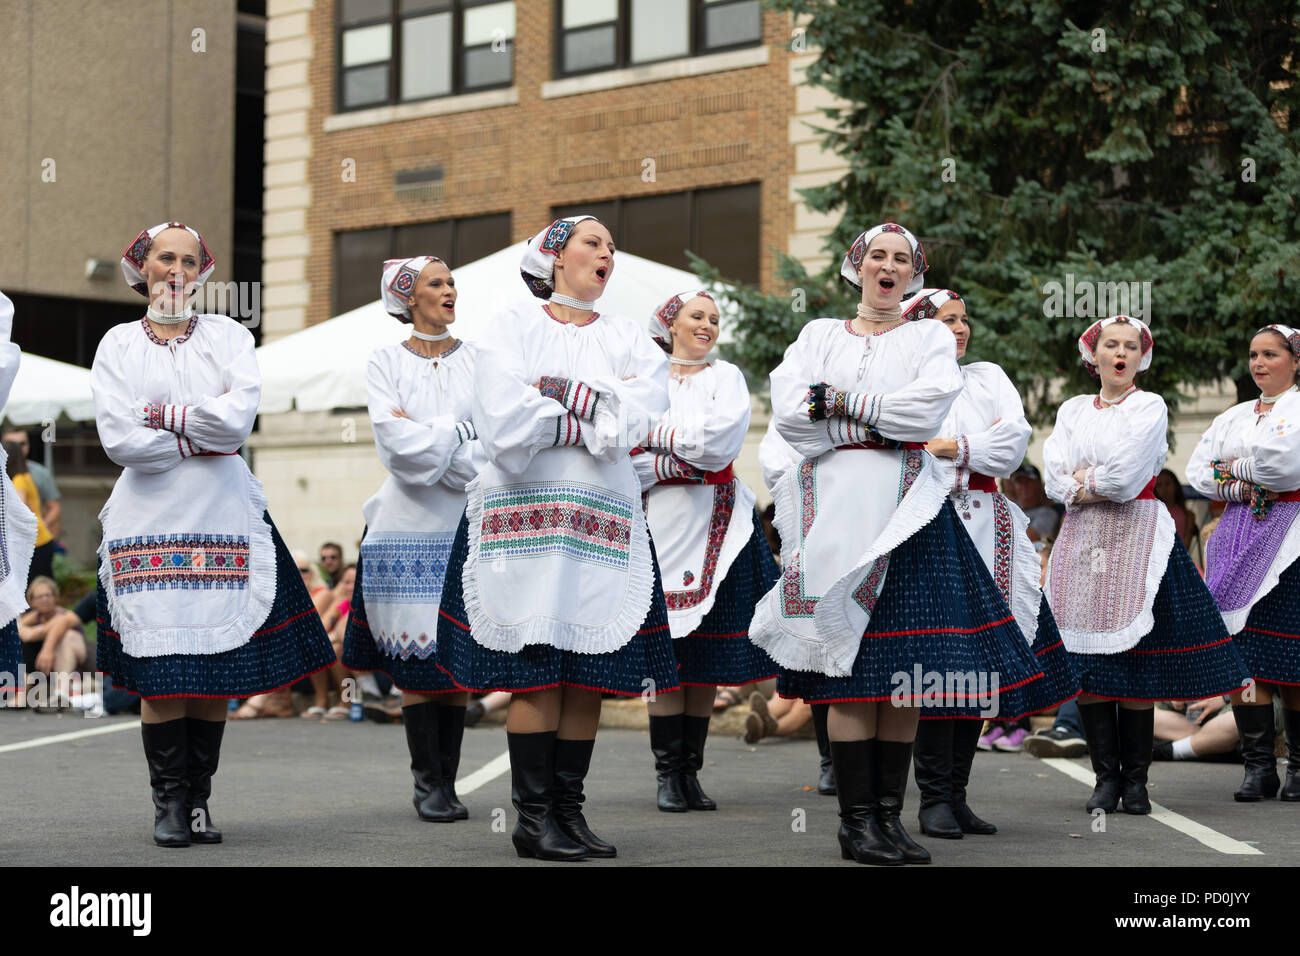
(552, 591)
(17, 525)
(1250, 457)
(985, 437)
(880, 586)
(713, 555)
(1132, 609)
(420, 395)
(199, 600)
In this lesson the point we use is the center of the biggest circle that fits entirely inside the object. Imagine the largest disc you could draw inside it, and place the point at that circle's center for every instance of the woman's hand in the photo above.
(942, 447)
(45, 659)
(398, 413)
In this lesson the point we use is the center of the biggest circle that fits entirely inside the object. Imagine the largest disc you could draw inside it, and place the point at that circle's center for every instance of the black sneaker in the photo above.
(1056, 742)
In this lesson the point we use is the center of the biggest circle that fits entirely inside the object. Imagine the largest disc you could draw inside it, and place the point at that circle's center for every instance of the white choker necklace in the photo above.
(677, 361)
(1270, 399)
(869, 314)
(572, 302)
(431, 338)
(166, 318)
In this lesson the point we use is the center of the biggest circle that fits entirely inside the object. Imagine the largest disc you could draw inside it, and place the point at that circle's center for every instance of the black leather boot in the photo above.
(893, 760)
(451, 730)
(572, 760)
(1136, 728)
(860, 836)
(666, 745)
(1255, 725)
(166, 749)
(1291, 792)
(1101, 730)
(421, 723)
(826, 779)
(532, 776)
(965, 741)
(695, 730)
(204, 753)
(933, 758)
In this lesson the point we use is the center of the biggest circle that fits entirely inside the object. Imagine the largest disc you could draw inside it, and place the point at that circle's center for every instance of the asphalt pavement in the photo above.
(300, 793)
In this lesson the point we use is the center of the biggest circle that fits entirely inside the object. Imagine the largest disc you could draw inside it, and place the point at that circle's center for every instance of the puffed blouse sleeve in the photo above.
(126, 439)
(789, 383)
(1058, 479)
(10, 354)
(222, 423)
(1200, 468)
(998, 450)
(1276, 463)
(514, 421)
(713, 433)
(632, 398)
(1129, 468)
(916, 411)
(415, 453)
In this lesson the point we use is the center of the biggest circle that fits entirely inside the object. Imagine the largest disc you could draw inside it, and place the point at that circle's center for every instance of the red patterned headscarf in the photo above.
(1088, 342)
(134, 256)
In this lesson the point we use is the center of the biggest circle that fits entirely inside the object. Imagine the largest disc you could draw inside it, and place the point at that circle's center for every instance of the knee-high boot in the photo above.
(860, 836)
(451, 731)
(532, 782)
(572, 761)
(826, 779)
(204, 753)
(421, 724)
(166, 749)
(932, 756)
(965, 741)
(1255, 725)
(1101, 730)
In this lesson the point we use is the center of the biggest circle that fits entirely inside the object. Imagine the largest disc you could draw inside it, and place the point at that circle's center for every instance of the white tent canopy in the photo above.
(45, 389)
(324, 366)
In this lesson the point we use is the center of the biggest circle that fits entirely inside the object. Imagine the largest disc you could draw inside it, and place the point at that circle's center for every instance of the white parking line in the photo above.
(1197, 831)
(489, 771)
(74, 735)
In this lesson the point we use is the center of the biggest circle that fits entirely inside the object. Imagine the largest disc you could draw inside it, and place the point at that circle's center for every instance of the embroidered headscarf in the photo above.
(538, 264)
(1292, 340)
(927, 303)
(398, 282)
(853, 258)
(1088, 342)
(664, 315)
(134, 256)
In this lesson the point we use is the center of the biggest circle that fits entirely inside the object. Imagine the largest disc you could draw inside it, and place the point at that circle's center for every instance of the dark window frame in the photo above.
(451, 255)
(623, 37)
(692, 218)
(396, 19)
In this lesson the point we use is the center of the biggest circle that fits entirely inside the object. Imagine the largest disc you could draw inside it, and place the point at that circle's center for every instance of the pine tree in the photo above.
(1028, 142)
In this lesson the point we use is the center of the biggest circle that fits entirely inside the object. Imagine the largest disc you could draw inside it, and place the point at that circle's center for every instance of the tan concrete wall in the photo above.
(139, 127)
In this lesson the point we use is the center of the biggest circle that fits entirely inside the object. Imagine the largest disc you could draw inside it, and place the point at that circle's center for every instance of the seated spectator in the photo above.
(779, 717)
(1196, 730)
(331, 562)
(1064, 739)
(480, 707)
(16, 468)
(52, 637)
(1027, 491)
(335, 619)
(51, 504)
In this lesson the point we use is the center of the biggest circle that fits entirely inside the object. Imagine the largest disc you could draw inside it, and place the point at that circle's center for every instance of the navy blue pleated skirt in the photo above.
(1188, 655)
(940, 637)
(11, 650)
(1059, 682)
(290, 644)
(719, 650)
(412, 674)
(644, 663)
(1270, 641)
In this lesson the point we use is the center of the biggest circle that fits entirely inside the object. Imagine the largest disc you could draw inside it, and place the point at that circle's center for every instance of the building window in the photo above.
(721, 226)
(610, 34)
(396, 51)
(359, 255)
